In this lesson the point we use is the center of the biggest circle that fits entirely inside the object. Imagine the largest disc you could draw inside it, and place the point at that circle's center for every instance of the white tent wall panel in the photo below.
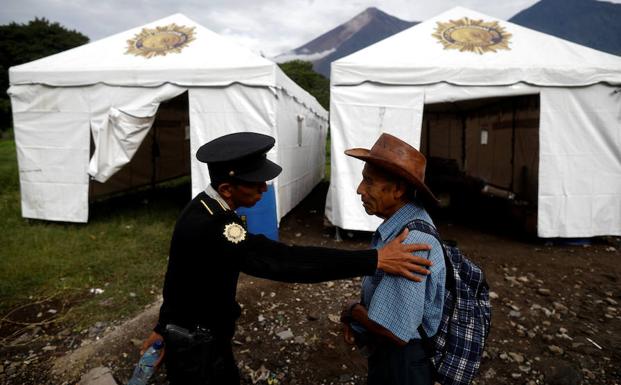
(52, 140)
(358, 116)
(218, 111)
(580, 162)
(301, 138)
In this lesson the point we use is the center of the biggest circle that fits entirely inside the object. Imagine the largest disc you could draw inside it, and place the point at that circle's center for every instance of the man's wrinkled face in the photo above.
(377, 192)
(247, 194)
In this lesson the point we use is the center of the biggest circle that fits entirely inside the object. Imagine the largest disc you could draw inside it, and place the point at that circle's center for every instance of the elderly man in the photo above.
(395, 314)
(210, 246)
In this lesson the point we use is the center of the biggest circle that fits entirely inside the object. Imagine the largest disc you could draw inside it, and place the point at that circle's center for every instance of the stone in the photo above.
(489, 374)
(299, 340)
(560, 307)
(559, 372)
(517, 357)
(516, 375)
(611, 301)
(285, 334)
(515, 314)
(555, 349)
(493, 295)
(98, 376)
(544, 292)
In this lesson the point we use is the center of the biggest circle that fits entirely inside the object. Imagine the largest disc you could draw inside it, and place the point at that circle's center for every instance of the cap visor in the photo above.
(267, 171)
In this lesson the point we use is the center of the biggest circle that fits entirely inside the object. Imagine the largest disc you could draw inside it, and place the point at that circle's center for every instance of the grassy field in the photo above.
(122, 250)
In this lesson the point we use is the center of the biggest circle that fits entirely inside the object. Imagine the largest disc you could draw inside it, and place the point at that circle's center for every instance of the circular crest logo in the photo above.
(472, 35)
(160, 41)
(234, 232)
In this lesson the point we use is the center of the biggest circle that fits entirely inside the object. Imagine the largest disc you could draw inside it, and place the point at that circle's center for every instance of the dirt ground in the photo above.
(556, 314)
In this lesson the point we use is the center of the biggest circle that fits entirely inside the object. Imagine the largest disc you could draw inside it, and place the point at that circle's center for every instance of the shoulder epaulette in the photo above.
(207, 207)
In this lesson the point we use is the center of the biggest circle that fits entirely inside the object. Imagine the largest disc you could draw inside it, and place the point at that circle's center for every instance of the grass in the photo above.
(122, 250)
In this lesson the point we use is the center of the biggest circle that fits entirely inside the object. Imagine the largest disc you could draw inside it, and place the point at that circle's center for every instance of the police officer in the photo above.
(210, 246)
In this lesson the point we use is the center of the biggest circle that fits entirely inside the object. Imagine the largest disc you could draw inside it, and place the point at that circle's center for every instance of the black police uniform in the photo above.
(209, 248)
(201, 281)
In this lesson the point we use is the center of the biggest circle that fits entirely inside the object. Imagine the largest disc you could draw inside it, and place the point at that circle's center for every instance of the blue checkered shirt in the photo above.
(396, 303)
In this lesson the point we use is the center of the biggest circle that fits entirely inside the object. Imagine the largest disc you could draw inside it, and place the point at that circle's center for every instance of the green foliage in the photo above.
(22, 43)
(303, 74)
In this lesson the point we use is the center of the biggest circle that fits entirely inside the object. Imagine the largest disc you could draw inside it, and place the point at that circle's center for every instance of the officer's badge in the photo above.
(472, 35)
(234, 233)
(160, 41)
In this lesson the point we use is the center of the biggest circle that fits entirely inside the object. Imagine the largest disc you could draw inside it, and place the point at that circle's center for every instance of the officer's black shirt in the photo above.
(204, 266)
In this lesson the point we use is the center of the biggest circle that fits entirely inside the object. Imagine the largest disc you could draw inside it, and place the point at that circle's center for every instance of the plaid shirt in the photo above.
(396, 303)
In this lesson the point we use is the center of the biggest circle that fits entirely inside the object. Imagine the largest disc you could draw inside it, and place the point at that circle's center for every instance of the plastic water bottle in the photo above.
(146, 366)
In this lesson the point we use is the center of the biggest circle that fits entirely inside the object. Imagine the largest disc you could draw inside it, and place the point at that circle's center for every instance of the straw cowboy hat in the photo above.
(399, 158)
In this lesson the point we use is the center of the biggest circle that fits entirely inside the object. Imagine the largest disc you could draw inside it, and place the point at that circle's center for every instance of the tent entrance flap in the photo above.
(488, 146)
(164, 153)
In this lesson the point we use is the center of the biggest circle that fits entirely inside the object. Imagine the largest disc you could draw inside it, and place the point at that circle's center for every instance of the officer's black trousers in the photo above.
(202, 365)
(393, 365)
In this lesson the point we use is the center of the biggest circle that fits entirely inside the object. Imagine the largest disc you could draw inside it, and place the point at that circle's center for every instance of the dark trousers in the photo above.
(202, 365)
(393, 365)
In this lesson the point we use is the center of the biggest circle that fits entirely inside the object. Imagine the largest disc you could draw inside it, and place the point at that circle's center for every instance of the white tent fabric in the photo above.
(580, 118)
(99, 91)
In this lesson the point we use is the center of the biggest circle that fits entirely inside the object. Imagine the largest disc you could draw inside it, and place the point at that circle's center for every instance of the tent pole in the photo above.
(513, 124)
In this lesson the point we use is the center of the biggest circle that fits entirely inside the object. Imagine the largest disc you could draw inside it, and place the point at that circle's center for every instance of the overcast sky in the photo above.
(265, 26)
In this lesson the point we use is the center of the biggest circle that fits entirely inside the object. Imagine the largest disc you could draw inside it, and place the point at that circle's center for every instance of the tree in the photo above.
(22, 43)
(316, 84)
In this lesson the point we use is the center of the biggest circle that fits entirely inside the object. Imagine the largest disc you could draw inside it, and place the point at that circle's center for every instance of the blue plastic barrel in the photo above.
(261, 218)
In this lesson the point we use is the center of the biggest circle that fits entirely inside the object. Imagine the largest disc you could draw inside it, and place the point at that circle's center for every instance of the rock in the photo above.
(523, 279)
(524, 368)
(562, 330)
(559, 372)
(48, 348)
(261, 318)
(555, 349)
(285, 334)
(98, 376)
(489, 374)
(517, 357)
(334, 318)
(516, 375)
(515, 314)
(611, 301)
(299, 340)
(493, 295)
(560, 307)
(544, 292)
(503, 356)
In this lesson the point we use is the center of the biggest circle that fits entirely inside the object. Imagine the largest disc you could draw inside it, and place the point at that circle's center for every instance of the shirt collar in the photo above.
(213, 194)
(397, 221)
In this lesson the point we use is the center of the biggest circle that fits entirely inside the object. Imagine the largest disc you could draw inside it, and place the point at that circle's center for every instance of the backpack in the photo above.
(458, 345)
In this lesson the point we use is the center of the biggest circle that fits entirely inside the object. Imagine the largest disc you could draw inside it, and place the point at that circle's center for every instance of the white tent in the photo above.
(109, 91)
(464, 55)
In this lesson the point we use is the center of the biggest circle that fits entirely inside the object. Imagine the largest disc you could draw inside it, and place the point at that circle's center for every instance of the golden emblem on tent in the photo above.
(160, 41)
(472, 35)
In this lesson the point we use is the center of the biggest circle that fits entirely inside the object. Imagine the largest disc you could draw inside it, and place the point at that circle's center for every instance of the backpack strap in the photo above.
(424, 227)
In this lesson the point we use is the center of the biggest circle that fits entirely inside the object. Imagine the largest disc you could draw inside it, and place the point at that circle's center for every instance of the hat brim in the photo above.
(423, 191)
(268, 170)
